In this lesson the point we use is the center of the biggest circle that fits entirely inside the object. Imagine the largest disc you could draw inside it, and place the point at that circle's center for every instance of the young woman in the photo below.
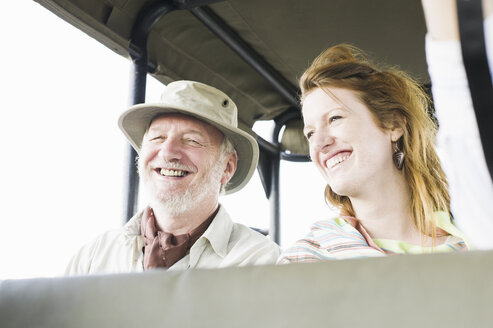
(372, 139)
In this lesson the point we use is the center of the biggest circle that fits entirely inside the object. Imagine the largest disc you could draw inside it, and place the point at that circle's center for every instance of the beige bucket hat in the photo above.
(205, 103)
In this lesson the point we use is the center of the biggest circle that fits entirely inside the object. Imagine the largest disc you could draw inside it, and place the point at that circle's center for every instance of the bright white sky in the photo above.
(62, 169)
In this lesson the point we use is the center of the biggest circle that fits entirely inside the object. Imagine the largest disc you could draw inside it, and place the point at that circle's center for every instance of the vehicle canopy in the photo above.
(283, 35)
(254, 51)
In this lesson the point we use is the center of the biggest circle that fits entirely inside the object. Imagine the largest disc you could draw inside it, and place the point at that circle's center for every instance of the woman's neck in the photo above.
(384, 210)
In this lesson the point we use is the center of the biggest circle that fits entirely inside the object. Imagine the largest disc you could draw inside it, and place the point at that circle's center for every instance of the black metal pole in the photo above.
(138, 51)
(138, 82)
(274, 200)
(250, 56)
(145, 22)
(275, 191)
(231, 38)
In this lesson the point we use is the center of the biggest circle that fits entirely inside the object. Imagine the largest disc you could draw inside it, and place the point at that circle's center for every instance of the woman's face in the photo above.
(352, 153)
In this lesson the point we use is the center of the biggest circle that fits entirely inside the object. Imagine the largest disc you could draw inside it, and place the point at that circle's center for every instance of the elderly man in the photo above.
(190, 150)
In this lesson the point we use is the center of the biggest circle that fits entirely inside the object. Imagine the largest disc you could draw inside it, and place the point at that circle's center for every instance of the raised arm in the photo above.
(441, 19)
(471, 187)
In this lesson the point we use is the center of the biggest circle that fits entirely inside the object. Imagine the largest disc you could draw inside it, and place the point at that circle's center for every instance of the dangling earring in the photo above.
(398, 156)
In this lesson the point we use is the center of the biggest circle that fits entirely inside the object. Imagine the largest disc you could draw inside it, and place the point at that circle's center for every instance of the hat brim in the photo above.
(137, 119)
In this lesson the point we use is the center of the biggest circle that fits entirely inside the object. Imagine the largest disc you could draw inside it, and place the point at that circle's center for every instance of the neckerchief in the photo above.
(163, 249)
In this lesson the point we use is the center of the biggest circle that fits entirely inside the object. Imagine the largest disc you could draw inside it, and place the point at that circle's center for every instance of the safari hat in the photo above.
(205, 103)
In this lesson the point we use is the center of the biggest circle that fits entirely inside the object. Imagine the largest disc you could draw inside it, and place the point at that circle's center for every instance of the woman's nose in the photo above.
(321, 141)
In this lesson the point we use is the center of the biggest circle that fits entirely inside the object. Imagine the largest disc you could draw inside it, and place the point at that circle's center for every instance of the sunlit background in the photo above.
(63, 157)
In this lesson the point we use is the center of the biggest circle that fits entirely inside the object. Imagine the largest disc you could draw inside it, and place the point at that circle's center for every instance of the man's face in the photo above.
(179, 162)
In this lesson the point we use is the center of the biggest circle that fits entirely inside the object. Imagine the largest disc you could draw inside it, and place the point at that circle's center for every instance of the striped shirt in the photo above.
(346, 238)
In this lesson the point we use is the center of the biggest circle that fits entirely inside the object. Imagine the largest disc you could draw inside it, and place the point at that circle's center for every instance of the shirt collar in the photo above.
(443, 221)
(219, 232)
(132, 227)
(131, 231)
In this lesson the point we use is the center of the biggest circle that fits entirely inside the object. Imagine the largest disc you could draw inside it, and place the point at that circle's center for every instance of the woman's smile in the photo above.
(337, 159)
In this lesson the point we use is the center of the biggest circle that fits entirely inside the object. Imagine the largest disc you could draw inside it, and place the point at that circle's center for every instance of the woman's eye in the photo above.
(309, 135)
(334, 118)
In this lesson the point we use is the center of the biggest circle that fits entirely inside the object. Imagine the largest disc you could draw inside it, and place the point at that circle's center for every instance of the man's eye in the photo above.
(157, 138)
(309, 135)
(193, 142)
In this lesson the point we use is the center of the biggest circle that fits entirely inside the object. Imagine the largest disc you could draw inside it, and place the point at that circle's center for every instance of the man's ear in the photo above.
(230, 169)
(398, 126)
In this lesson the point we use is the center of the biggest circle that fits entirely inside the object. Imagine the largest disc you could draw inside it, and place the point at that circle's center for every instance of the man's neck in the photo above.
(185, 222)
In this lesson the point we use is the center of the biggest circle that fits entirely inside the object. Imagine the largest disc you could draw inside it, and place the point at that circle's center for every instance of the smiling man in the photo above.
(190, 151)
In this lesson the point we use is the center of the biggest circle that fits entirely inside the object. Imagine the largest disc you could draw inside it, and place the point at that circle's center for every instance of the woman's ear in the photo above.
(398, 126)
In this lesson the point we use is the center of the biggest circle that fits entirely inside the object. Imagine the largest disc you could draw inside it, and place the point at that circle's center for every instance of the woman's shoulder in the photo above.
(330, 239)
(332, 223)
(336, 225)
(457, 238)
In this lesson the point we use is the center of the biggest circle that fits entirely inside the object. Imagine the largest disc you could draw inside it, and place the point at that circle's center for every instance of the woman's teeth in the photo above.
(337, 159)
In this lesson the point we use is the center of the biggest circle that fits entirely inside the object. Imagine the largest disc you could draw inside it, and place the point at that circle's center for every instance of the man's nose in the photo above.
(321, 141)
(171, 149)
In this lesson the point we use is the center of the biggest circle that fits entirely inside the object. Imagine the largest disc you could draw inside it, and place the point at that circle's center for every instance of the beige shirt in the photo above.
(223, 244)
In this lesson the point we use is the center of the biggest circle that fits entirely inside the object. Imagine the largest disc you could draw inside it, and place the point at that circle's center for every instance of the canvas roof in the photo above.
(288, 34)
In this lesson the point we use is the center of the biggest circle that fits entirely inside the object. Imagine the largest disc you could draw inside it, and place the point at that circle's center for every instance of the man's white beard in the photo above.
(174, 203)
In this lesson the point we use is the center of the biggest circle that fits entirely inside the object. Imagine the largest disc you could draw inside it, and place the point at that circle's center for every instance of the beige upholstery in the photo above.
(450, 290)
